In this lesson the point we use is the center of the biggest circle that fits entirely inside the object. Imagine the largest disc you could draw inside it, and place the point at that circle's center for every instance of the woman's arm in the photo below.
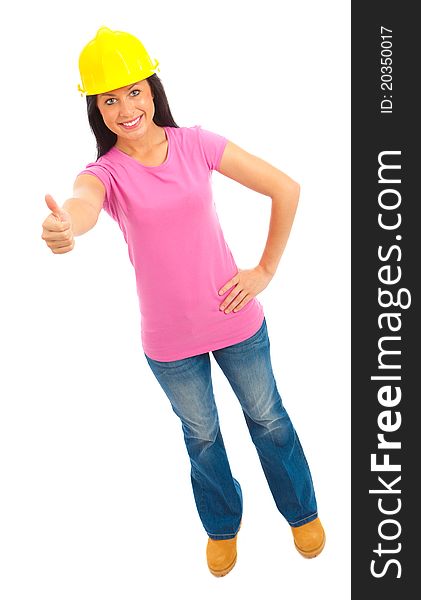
(260, 176)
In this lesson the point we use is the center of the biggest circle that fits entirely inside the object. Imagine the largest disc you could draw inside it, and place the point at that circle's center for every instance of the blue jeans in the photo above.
(218, 496)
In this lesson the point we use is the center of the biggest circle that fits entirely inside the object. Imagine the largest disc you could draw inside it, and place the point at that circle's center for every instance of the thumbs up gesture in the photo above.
(57, 228)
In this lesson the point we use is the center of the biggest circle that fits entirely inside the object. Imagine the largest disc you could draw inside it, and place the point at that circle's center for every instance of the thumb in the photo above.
(55, 208)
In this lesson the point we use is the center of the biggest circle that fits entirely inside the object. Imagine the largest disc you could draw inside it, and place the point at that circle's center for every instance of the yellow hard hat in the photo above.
(112, 60)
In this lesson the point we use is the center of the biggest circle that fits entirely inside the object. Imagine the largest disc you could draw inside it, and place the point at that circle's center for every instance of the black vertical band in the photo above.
(386, 258)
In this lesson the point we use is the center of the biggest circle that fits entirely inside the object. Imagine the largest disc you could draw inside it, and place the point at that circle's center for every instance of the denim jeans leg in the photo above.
(218, 496)
(247, 366)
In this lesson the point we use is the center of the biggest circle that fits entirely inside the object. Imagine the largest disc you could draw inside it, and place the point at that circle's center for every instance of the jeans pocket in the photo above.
(258, 337)
(261, 332)
(165, 364)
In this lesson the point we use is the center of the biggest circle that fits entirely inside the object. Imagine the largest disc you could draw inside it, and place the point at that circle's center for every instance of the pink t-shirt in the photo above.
(176, 245)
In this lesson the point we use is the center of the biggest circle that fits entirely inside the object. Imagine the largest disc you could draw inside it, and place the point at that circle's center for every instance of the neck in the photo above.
(153, 136)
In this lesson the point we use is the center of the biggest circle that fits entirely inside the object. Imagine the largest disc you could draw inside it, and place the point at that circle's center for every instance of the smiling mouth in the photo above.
(131, 124)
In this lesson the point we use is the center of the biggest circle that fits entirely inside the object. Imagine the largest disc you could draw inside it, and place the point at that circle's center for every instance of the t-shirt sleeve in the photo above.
(103, 175)
(213, 146)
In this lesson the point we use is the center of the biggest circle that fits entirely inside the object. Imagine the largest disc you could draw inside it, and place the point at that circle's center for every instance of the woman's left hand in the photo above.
(248, 283)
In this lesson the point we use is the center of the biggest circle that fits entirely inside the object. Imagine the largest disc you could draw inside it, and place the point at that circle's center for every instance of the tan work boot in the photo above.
(310, 538)
(221, 555)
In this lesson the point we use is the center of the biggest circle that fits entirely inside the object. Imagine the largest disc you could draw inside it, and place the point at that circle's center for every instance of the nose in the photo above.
(126, 109)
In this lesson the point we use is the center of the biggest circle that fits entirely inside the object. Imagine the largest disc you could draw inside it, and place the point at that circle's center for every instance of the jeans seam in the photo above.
(221, 534)
(292, 523)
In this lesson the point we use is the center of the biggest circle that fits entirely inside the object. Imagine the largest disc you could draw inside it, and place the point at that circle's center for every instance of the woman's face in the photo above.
(128, 111)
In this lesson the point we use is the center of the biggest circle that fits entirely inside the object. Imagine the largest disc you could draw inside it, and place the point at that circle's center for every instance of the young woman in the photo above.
(154, 179)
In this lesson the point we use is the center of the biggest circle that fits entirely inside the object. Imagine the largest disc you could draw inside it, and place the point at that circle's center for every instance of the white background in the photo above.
(96, 500)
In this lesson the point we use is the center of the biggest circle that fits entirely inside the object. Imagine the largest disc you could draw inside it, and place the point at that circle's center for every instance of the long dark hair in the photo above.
(105, 138)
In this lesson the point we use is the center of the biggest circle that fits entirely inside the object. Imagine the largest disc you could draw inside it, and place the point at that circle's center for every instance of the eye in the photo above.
(110, 104)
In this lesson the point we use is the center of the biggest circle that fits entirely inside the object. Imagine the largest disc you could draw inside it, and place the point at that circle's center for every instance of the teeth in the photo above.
(131, 123)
